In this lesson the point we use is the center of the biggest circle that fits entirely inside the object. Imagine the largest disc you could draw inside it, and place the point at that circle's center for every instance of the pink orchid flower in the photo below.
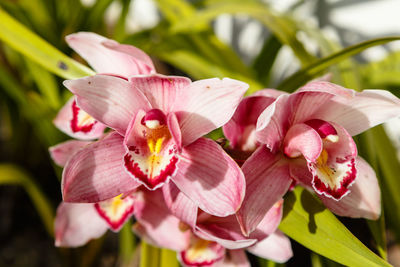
(77, 223)
(105, 56)
(159, 122)
(306, 137)
(212, 241)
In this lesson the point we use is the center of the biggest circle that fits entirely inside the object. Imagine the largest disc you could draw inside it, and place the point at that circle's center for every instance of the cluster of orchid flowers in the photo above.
(139, 151)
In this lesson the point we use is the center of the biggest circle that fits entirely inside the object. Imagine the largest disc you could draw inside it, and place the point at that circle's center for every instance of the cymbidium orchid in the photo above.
(306, 138)
(211, 241)
(159, 122)
(77, 223)
(105, 56)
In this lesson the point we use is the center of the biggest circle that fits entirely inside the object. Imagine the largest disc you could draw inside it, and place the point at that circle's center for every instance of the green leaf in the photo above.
(126, 244)
(311, 71)
(14, 175)
(390, 182)
(282, 27)
(308, 222)
(168, 258)
(149, 255)
(35, 48)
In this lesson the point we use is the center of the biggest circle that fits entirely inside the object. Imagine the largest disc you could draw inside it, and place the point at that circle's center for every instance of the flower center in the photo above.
(324, 129)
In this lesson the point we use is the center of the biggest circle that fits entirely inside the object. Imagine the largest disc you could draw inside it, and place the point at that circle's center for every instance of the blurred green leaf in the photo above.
(390, 182)
(149, 255)
(168, 258)
(314, 69)
(308, 222)
(282, 27)
(14, 175)
(35, 48)
(126, 244)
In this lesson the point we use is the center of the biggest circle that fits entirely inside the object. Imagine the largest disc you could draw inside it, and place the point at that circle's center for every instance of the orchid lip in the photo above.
(202, 253)
(81, 121)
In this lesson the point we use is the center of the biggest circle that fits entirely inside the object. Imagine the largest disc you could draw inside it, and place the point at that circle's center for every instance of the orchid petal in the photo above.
(108, 56)
(173, 126)
(156, 224)
(201, 253)
(240, 129)
(267, 180)
(269, 223)
(67, 117)
(96, 172)
(161, 91)
(110, 100)
(327, 87)
(210, 178)
(116, 211)
(275, 247)
(180, 205)
(235, 258)
(288, 110)
(363, 111)
(62, 152)
(301, 139)
(76, 224)
(334, 171)
(364, 200)
(206, 105)
(150, 156)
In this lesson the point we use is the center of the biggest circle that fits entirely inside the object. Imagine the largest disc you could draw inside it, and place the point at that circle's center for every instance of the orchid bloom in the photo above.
(212, 241)
(306, 137)
(159, 122)
(77, 223)
(105, 56)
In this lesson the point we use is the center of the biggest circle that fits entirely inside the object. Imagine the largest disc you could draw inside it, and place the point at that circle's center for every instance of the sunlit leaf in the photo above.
(314, 69)
(308, 222)
(32, 46)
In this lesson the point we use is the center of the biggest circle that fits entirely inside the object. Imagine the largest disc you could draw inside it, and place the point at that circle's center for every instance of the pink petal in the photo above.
(173, 126)
(334, 171)
(239, 130)
(96, 172)
(150, 156)
(201, 253)
(67, 118)
(107, 56)
(276, 247)
(288, 110)
(116, 211)
(210, 178)
(327, 87)
(161, 91)
(301, 139)
(76, 224)
(267, 180)
(156, 224)
(110, 100)
(361, 112)
(62, 152)
(180, 205)
(364, 199)
(235, 258)
(206, 105)
(270, 222)
(223, 230)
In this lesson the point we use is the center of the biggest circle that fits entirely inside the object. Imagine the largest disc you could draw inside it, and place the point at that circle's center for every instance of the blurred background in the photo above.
(235, 43)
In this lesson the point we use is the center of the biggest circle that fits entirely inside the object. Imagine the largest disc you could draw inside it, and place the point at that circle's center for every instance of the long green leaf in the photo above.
(281, 26)
(149, 255)
(126, 244)
(308, 222)
(314, 69)
(168, 258)
(13, 175)
(31, 45)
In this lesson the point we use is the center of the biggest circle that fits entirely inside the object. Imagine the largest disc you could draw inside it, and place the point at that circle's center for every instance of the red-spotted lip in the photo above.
(220, 251)
(151, 183)
(115, 225)
(343, 189)
(75, 123)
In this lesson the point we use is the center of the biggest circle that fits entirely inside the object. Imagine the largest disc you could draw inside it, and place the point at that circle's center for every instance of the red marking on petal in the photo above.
(202, 253)
(323, 128)
(339, 191)
(75, 123)
(154, 182)
(116, 211)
